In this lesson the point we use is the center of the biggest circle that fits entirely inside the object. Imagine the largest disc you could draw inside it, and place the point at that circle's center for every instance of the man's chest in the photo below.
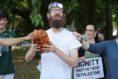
(60, 41)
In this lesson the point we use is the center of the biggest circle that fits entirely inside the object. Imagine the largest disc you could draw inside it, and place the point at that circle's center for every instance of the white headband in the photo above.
(55, 5)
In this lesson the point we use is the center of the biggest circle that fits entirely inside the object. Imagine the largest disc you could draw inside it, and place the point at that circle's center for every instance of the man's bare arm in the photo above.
(70, 60)
(31, 52)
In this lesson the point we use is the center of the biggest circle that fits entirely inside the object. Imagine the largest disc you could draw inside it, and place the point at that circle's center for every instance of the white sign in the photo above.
(92, 68)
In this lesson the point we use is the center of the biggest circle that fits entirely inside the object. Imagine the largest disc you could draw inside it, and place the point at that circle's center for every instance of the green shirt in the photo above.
(91, 55)
(6, 65)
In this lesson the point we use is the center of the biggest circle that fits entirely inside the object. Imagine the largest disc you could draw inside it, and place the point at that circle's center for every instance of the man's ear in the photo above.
(64, 15)
(48, 16)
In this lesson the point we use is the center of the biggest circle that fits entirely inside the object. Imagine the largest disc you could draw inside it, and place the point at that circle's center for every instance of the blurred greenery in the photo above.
(27, 15)
(35, 16)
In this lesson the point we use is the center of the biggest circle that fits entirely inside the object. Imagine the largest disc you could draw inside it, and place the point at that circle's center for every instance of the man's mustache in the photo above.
(57, 15)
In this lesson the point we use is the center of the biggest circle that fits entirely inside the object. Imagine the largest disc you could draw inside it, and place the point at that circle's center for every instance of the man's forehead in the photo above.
(90, 26)
(56, 9)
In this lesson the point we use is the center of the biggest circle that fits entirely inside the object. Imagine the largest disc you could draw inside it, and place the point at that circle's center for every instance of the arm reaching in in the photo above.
(85, 44)
(97, 48)
(13, 41)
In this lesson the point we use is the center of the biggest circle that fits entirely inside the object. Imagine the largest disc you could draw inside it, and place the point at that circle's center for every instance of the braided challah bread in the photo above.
(40, 37)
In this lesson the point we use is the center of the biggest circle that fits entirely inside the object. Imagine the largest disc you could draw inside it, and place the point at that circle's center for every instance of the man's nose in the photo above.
(57, 11)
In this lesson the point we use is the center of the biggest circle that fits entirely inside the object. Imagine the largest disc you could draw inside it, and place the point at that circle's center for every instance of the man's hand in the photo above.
(50, 47)
(28, 37)
(42, 48)
(36, 47)
(77, 35)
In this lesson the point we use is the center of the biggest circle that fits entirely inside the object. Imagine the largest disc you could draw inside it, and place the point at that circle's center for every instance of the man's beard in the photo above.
(56, 23)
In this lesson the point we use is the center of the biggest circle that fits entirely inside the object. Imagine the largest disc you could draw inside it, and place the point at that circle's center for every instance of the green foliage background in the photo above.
(27, 15)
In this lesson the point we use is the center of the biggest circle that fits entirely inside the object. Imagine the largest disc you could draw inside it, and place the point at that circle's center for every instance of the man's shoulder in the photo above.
(107, 42)
(67, 31)
(111, 41)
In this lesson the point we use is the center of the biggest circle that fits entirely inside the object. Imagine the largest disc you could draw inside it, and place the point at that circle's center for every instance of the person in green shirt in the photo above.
(6, 41)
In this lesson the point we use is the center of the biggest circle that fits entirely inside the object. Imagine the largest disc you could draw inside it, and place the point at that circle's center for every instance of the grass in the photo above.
(24, 70)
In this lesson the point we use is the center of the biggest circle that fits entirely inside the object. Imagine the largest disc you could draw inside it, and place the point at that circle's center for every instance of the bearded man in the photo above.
(59, 57)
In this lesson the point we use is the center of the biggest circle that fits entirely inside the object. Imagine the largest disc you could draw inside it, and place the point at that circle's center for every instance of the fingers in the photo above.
(28, 37)
(36, 47)
(48, 48)
(77, 35)
(30, 34)
(45, 48)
